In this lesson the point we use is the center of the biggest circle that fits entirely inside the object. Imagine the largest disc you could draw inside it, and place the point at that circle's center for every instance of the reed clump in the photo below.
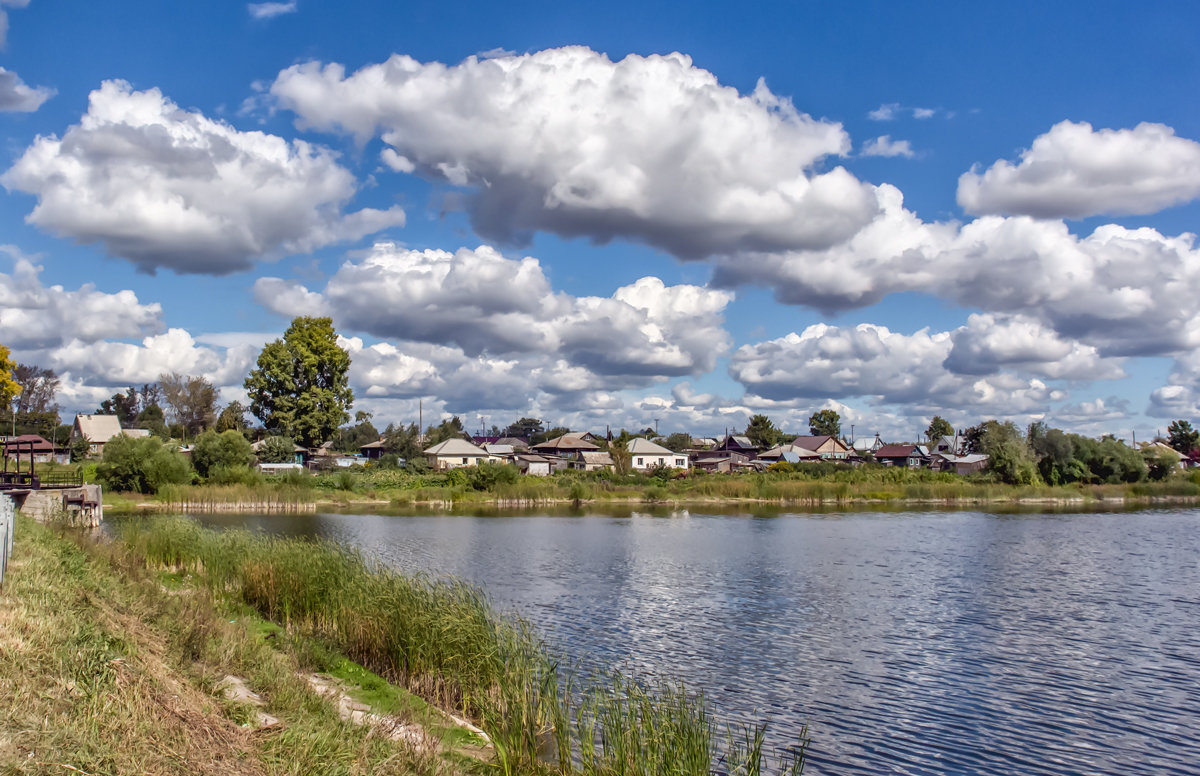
(442, 640)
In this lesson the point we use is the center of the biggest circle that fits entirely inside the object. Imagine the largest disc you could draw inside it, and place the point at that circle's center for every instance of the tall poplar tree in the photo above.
(300, 388)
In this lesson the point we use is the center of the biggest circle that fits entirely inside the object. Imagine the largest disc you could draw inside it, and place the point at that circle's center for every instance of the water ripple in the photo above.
(914, 644)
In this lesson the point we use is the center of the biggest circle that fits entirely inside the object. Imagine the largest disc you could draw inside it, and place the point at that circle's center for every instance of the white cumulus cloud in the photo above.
(885, 146)
(567, 141)
(1074, 171)
(168, 188)
(485, 303)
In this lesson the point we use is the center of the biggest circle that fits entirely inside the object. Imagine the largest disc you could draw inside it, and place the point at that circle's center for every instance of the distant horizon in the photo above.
(612, 215)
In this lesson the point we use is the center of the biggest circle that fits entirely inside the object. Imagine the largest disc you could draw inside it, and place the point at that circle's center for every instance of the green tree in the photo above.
(277, 449)
(451, 428)
(363, 432)
(35, 404)
(1183, 437)
(1010, 456)
(232, 418)
(152, 419)
(938, 427)
(525, 428)
(228, 450)
(678, 442)
(546, 436)
(825, 423)
(300, 387)
(762, 432)
(404, 442)
(1160, 462)
(141, 465)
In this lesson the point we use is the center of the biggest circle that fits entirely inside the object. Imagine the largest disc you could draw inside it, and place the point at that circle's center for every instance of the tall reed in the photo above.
(443, 640)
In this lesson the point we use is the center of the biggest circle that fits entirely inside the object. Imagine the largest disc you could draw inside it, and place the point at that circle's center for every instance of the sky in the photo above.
(617, 215)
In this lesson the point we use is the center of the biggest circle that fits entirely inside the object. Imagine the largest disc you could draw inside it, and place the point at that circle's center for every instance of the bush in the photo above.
(233, 475)
(277, 449)
(141, 465)
(488, 474)
(228, 450)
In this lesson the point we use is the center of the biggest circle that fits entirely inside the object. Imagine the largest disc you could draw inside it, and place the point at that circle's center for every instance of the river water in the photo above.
(912, 643)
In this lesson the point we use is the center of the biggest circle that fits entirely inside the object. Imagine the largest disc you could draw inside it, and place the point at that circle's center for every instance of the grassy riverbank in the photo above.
(810, 486)
(114, 651)
(108, 667)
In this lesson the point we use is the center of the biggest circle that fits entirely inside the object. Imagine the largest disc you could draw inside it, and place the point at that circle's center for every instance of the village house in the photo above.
(737, 443)
(645, 454)
(790, 453)
(41, 450)
(723, 461)
(828, 447)
(99, 429)
(959, 464)
(590, 461)
(565, 446)
(903, 455)
(455, 453)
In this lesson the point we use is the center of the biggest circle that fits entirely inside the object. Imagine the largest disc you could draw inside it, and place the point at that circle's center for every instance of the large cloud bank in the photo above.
(567, 141)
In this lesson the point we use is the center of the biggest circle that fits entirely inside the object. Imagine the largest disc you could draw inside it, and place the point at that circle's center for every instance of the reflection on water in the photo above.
(914, 643)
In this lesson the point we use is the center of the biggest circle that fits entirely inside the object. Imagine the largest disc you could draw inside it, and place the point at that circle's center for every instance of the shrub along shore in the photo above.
(803, 486)
(128, 645)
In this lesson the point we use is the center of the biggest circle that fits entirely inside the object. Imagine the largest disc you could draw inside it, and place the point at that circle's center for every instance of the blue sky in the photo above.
(606, 214)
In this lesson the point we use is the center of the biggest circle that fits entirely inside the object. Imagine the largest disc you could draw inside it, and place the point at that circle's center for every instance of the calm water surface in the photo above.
(913, 643)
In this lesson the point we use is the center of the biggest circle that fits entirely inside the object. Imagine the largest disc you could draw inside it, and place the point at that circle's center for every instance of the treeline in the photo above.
(1055, 457)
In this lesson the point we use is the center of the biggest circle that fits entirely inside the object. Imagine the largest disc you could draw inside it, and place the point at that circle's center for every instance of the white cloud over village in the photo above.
(651, 149)
(167, 188)
(484, 303)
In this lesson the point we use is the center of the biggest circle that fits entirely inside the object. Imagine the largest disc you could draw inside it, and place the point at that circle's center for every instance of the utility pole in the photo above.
(656, 427)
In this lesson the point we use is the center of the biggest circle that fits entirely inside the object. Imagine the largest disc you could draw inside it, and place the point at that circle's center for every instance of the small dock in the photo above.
(48, 495)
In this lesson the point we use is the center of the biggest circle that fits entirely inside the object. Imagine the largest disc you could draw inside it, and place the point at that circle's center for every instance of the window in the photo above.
(640, 462)
(464, 460)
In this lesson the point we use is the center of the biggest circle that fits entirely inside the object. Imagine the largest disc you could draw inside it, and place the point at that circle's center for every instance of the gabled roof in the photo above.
(514, 442)
(98, 429)
(22, 442)
(372, 445)
(457, 447)
(898, 451)
(498, 449)
(815, 442)
(566, 442)
(781, 450)
(597, 457)
(639, 446)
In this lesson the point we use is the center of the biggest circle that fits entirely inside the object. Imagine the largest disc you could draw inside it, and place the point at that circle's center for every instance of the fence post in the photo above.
(8, 514)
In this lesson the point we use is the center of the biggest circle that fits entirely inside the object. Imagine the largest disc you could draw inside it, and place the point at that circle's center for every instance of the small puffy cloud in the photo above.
(567, 141)
(270, 10)
(924, 113)
(1180, 397)
(885, 112)
(885, 146)
(1096, 413)
(1073, 171)
(989, 343)
(165, 187)
(485, 303)
(16, 96)
(886, 366)
(34, 316)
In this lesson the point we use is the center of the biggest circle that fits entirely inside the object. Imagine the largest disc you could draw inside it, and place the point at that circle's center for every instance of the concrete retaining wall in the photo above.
(82, 506)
